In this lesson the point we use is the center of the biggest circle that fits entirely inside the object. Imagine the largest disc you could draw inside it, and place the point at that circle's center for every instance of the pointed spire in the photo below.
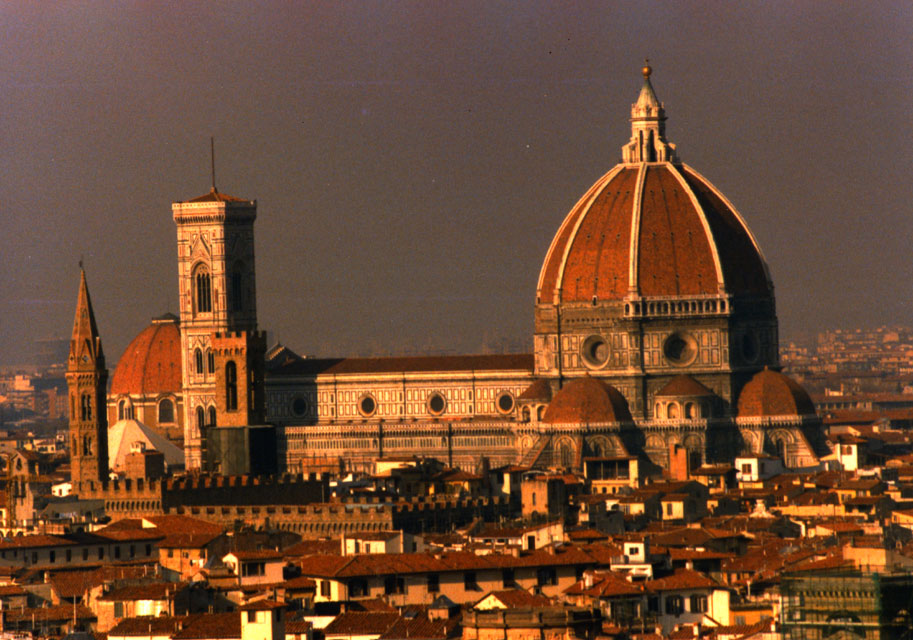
(647, 100)
(85, 344)
(648, 127)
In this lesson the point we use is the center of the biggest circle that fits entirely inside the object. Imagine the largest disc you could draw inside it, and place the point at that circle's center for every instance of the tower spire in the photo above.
(87, 380)
(85, 344)
(648, 127)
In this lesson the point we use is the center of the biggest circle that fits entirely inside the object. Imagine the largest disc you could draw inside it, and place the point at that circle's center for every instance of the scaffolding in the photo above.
(847, 603)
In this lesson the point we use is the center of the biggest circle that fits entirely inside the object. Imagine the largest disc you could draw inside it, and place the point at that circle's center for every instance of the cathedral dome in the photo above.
(770, 393)
(587, 400)
(151, 363)
(651, 227)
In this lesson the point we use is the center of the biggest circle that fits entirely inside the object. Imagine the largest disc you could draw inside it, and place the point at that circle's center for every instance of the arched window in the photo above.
(237, 291)
(166, 411)
(212, 416)
(202, 291)
(201, 417)
(125, 409)
(672, 411)
(780, 444)
(231, 386)
(198, 361)
(86, 407)
(210, 361)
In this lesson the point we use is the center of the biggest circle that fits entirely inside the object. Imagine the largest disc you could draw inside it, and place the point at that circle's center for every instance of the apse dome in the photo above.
(151, 363)
(587, 400)
(770, 394)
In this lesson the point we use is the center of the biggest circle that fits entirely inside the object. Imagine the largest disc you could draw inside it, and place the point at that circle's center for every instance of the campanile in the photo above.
(217, 295)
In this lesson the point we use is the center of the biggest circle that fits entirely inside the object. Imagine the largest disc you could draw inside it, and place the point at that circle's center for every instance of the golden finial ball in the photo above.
(647, 70)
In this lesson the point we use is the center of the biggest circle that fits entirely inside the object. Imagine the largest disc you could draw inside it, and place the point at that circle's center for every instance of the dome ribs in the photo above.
(151, 363)
(744, 269)
(675, 256)
(550, 275)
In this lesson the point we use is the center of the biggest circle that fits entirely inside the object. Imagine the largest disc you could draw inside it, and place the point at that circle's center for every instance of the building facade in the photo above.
(655, 328)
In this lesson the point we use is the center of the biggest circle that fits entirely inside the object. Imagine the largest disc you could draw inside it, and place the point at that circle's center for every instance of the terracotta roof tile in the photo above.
(216, 196)
(681, 579)
(150, 591)
(148, 625)
(211, 626)
(361, 623)
(515, 598)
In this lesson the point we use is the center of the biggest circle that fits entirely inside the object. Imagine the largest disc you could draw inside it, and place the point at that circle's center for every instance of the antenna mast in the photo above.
(212, 157)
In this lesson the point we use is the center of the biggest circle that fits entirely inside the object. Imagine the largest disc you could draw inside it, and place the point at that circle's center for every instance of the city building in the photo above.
(655, 328)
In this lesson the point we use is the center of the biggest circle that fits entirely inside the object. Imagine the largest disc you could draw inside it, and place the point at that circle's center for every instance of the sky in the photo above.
(412, 160)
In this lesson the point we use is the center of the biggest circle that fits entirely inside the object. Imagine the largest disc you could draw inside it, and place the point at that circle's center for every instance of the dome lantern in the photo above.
(648, 128)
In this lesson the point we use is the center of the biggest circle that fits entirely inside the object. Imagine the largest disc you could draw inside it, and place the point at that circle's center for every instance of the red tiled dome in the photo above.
(683, 386)
(151, 364)
(770, 393)
(585, 400)
(685, 237)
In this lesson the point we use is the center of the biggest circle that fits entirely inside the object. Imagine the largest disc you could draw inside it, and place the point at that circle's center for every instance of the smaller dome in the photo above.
(539, 390)
(587, 399)
(770, 393)
(683, 386)
(151, 364)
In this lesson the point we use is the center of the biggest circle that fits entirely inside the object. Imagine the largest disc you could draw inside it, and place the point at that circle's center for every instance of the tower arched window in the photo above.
(212, 416)
(198, 361)
(85, 405)
(237, 288)
(166, 411)
(120, 409)
(231, 386)
(202, 291)
(201, 418)
(210, 362)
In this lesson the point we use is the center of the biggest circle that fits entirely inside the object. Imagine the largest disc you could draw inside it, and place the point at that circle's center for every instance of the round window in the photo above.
(595, 351)
(367, 405)
(299, 406)
(436, 404)
(680, 348)
(505, 402)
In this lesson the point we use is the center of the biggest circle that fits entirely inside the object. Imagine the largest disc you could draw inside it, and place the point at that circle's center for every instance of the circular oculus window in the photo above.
(595, 351)
(505, 402)
(367, 405)
(680, 348)
(436, 404)
(299, 406)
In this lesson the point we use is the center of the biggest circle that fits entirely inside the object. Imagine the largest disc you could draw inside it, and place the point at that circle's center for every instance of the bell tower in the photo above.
(87, 380)
(217, 295)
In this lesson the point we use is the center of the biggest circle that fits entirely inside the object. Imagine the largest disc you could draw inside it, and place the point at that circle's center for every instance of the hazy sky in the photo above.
(412, 160)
